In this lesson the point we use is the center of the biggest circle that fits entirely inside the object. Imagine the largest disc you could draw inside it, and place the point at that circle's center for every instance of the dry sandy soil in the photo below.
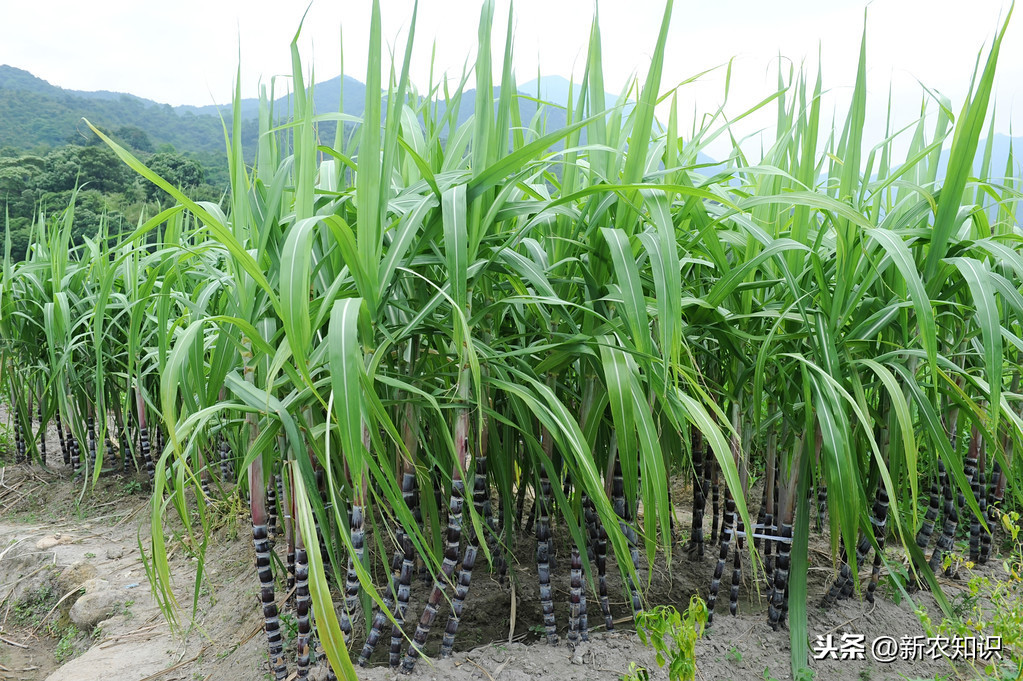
(55, 537)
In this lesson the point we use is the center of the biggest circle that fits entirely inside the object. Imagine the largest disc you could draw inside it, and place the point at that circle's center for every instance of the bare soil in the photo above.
(55, 535)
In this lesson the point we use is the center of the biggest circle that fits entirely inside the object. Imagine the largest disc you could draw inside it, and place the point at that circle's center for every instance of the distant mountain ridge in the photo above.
(36, 114)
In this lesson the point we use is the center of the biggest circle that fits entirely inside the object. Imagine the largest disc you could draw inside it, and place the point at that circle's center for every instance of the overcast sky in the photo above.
(186, 52)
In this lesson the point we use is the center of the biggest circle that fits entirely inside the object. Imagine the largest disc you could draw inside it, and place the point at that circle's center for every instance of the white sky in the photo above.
(186, 52)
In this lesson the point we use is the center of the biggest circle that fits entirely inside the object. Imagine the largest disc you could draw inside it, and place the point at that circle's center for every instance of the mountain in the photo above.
(35, 114)
(326, 95)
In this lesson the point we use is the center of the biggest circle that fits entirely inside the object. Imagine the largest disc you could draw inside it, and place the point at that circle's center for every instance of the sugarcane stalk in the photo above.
(480, 499)
(357, 521)
(714, 486)
(90, 421)
(879, 521)
(76, 453)
(144, 435)
(598, 545)
(578, 623)
(771, 504)
(260, 533)
(160, 438)
(122, 437)
(699, 494)
(287, 507)
(951, 516)
(719, 568)
(454, 534)
(777, 602)
(448, 565)
(21, 455)
(733, 592)
(923, 536)
(224, 450)
(271, 505)
(543, 542)
(410, 496)
(844, 575)
(778, 607)
(226, 469)
(42, 431)
(407, 568)
(65, 452)
(973, 477)
(303, 601)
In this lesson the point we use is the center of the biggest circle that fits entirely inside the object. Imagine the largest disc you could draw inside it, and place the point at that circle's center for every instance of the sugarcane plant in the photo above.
(389, 339)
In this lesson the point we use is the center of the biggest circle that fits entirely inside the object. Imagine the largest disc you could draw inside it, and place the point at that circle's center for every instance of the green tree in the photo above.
(70, 166)
(180, 171)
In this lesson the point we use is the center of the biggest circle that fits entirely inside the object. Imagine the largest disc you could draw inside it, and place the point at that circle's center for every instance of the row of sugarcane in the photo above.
(134, 446)
(493, 311)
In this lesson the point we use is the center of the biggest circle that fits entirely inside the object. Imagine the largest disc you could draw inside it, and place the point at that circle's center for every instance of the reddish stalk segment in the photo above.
(144, 435)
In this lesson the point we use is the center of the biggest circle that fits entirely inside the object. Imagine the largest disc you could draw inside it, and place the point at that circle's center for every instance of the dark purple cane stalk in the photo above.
(380, 617)
(777, 601)
(973, 478)
(822, 503)
(76, 453)
(719, 568)
(715, 517)
(90, 426)
(303, 601)
(64, 450)
(144, 435)
(772, 503)
(777, 605)
(454, 534)
(879, 521)
(622, 510)
(598, 546)
(271, 510)
(923, 537)
(20, 450)
(204, 482)
(578, 624)
(290, 534)
(947, 537)
(352, 587)
(699, 494)
(161, 441)
(406, 569)
(983, 494)
(543, 543)
(733, 592)
(844, 575)
(407, 555)
(42, 432)
(260, 534)
(226, 469)
(393, 596)
(447, 570)
(123, 446)
(480, 502)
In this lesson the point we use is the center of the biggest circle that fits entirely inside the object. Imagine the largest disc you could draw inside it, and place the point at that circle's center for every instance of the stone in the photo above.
(49, 541)
(77, 573)
(98, 603)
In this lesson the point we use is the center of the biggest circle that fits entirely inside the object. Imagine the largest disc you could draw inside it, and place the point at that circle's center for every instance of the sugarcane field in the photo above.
(434, 371)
